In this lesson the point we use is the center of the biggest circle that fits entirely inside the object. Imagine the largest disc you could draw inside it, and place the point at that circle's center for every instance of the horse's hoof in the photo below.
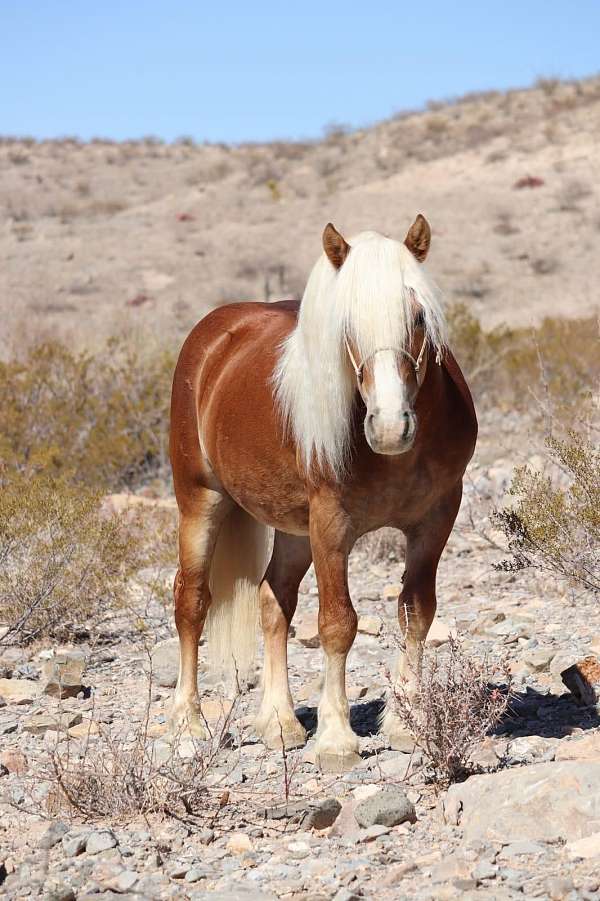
(188, 725)
(337, 763)
(276, 736)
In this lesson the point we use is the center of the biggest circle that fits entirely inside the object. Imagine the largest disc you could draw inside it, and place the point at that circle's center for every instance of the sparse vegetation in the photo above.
(455, 706)
(555, 522)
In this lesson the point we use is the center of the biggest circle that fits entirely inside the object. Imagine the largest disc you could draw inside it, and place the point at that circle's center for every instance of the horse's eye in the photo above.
(420, 319)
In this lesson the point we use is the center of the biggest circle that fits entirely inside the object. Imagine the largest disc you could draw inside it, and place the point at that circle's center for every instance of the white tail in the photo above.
(238, 565)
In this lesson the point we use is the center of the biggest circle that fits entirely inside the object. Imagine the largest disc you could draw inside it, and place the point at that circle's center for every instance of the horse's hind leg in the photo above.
(417, 602)
(277, 723)
(201, 513)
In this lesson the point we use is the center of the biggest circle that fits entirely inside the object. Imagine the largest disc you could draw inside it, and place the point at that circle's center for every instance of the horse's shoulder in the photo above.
(455, 376)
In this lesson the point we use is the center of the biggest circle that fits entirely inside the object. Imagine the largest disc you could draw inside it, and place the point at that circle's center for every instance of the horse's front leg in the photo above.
(330, 542)
(417, 602)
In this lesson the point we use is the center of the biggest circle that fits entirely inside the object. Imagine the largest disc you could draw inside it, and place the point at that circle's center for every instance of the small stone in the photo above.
(307, 631)
(539, 659)
(389, 807)
(73, 845)
(19, 691)
(453, 868)
(583, 681)
(58, 891)
(559, 887)
(101, 841)
(356, 692)
(62, 675)
(370, 625)
(40, 723)
(391, 592)
(195, 874)
(165, 662)
(439, 633)
(324, 815)
(14, 761)
(84, 728)
(53, 834)
(584, 848)
(372, 833)
(123, 882)
(239, 843)
(484, 870)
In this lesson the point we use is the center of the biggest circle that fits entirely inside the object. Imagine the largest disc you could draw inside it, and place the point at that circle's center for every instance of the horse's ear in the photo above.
(418, 238)
(336, 248)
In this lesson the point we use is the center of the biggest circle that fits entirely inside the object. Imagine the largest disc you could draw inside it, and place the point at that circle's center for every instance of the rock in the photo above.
(102, 840)
(370, 625)
(583, 681)
(595, 645)
(389, 807)
(74, 844)
(215, 709)
(84, 728)
(439, 633)
(356, 692)
(40, 723)
(14, 761)
(307, 630)
(559, 887)
(62, 675)
(122, 882)
(454, 867)
(541, 802)
(58, 891)
(484, 870)
(165, 662)
(584, 848)
(587, 748)
(324, 815)
(372, 833)
(391, 592)
(19, 691)
(239, 843)
(53, 834)
(538, 660)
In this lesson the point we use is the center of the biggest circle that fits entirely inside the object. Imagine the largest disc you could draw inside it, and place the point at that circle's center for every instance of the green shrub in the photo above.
(555, 526)
(64, 562)
(99, 420)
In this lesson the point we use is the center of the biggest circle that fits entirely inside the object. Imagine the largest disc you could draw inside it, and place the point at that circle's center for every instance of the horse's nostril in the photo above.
(406, 426)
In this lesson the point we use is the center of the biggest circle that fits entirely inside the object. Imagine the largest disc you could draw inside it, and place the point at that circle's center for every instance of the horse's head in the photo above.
(389, 375)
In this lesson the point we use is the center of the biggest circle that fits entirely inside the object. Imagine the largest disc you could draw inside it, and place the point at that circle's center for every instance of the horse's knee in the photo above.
(191, 597)
(337, 628)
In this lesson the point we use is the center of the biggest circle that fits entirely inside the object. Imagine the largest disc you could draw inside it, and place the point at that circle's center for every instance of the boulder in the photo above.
(388, 807)
(40, 723)
(586, 748)
(541, 802)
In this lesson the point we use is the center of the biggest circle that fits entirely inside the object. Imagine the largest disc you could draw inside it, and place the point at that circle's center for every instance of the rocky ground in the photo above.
(271, 825)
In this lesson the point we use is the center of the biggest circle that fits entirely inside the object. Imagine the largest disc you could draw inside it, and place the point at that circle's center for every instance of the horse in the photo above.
(302, 426)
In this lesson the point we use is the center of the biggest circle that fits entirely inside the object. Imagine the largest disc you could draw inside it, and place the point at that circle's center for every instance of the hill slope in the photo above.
(102, 237)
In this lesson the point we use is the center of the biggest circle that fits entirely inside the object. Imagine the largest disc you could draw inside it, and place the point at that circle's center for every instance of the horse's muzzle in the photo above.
(390, 435)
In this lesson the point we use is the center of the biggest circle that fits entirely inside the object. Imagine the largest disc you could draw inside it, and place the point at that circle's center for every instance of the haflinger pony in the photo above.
(313, 423)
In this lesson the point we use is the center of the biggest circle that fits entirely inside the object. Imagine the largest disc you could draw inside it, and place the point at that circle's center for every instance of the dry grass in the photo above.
(454, 708)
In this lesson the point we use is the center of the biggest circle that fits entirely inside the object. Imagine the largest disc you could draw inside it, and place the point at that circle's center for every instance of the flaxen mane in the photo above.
(370, 301)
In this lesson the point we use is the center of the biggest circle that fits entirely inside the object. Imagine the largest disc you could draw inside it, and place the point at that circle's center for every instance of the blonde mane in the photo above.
(369, 300)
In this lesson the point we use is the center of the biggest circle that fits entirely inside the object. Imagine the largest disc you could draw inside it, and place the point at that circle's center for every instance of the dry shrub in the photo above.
(99, 420)
(555, 523)
(119, 776)
(455, 706)
(63, 563)
(505, 364)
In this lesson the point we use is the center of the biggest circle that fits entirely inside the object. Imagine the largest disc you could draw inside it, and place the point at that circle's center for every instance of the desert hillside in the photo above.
(102, 237)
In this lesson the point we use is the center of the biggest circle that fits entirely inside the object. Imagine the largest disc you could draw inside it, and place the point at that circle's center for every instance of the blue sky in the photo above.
(256, 70)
